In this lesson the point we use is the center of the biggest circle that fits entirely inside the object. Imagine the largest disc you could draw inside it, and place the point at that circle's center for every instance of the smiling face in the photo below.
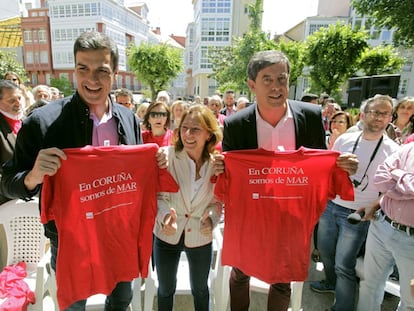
(193, 135)
(94, 76)
(271, 86)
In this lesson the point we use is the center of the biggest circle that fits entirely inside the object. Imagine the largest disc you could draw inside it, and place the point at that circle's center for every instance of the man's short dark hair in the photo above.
(124, 92)
(308, 97)
(7, 85)
(93, 40)
(265, 59)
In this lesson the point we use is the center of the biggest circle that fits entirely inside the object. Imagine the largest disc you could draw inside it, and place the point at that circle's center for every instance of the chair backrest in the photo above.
(24, 232)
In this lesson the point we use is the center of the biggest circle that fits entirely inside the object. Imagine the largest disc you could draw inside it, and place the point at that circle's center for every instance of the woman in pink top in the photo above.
(157, 123)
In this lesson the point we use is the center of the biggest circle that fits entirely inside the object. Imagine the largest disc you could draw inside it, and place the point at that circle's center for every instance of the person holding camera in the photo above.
(340, 241)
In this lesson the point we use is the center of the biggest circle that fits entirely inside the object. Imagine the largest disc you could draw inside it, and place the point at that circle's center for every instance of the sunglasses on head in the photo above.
(154, 114)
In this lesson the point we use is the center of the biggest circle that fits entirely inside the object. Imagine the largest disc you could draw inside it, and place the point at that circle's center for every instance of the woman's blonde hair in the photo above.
(208, 121)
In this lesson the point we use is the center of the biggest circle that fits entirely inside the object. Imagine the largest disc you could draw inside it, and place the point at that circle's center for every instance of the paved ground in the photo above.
(311, 301)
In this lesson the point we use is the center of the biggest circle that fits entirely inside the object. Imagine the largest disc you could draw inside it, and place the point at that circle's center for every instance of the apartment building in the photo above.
(215, 24)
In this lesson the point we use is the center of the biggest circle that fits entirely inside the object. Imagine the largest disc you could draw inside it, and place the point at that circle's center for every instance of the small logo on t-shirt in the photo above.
(255, 196)
(89, 215)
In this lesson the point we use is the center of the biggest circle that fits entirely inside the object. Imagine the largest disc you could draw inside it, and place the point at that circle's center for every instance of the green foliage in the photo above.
(295, 51)
(155, 65)
(332, 54)
(8, 63)
(63, 84)
(391, 14)
(229, 64)
(380, 60)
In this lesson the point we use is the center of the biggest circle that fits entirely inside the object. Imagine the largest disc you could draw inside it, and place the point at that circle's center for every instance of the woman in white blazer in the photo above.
(186, 219)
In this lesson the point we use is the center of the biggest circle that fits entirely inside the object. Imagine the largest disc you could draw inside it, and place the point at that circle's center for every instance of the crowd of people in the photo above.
(375, 152)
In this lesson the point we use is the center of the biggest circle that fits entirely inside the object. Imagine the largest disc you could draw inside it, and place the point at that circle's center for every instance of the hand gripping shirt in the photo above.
(272, 201)
(103, 200)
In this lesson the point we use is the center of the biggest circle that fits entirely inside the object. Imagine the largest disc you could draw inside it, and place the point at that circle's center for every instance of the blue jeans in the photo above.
(167, 257)
(339, 243)
(386, 246)
(118, 300)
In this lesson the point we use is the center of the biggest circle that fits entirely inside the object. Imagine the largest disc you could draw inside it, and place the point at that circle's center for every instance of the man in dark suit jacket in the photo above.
(11, 113)
(273, 123)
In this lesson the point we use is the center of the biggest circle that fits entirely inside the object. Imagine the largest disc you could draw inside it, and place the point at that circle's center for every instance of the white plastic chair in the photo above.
(26, 242)
(391, 286)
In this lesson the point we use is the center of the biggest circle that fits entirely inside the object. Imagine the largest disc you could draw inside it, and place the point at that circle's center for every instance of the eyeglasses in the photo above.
(155, 115)
(377, 114)
(339, 122)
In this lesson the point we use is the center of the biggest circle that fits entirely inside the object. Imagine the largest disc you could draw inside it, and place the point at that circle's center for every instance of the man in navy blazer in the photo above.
(273, 123)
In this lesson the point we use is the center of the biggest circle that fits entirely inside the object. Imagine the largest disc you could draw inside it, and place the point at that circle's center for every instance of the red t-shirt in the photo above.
(272, 202)
(162, 141)
(103, 201)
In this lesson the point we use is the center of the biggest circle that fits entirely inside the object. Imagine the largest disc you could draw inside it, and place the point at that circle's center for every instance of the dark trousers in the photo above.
(167, 258)
(278, 297)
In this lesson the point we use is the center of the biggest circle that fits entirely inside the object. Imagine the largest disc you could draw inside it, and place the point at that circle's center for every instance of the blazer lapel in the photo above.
(181, 171)
(299, 120)
(249, 128)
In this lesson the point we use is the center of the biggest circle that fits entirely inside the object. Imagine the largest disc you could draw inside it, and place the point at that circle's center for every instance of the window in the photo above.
(42, 36)
(357, 24)
(35, 79)
(74, 10)
(64, 75)
(204, 62)
(212, 86)
(403, 88)
(315, 27)
(216, 6)
(87, 9)
(44, 57)
(29, 57)
(215, 29)
(375, 35)
(61, 11)
(386, 35)
(408, 65)
(27, 36)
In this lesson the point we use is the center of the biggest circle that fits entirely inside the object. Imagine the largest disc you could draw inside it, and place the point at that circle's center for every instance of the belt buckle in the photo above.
(395, 225)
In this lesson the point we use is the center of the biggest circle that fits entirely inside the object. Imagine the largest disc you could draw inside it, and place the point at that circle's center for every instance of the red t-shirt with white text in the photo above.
(103, 201)
(272, 201)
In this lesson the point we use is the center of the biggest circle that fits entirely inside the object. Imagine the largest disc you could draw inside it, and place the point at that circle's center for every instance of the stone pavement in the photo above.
(311, 301)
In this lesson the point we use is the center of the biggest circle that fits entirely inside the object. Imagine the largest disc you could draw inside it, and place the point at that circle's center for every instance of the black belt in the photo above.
(398, 226)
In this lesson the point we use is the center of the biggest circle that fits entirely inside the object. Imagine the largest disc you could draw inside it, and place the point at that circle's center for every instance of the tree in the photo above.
(155, 65)
(295, 51)
(63, 84)
(332, 54)
(229, 64)
(391, 14)
(8, 63)
(380, 60)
